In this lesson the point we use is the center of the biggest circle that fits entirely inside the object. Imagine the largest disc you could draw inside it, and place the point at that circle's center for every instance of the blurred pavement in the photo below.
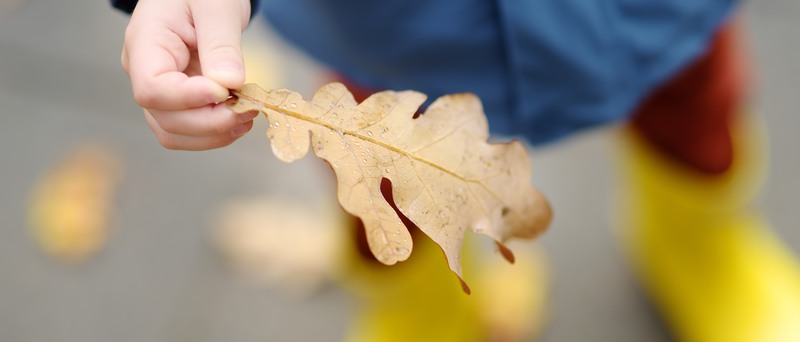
(159, 279)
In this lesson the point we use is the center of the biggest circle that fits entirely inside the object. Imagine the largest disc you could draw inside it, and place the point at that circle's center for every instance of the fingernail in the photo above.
(240, 131)
(220, 94)
(245, 117)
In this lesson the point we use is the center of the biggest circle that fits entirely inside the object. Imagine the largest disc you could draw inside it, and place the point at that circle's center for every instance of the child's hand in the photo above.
(182, 57)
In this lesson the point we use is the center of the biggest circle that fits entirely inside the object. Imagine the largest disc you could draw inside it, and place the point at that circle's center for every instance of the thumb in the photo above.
(219, 25)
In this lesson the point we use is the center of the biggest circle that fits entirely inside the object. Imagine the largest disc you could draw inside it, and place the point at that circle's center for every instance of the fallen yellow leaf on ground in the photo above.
(70, 207)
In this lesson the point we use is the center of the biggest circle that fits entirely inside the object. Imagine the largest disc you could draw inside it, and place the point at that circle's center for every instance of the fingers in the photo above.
(204, 121)
(219, 25)
(156, 54)
(182, 57)
(179, 141)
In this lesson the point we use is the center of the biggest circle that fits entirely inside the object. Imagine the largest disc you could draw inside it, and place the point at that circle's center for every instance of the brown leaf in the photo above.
(445, 177)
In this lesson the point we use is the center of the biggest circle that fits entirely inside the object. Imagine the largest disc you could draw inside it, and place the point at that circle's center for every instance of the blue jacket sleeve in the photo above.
(543, 69)
(127, 6)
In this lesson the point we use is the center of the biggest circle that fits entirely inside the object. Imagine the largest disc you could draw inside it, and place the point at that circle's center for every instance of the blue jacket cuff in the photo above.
(127, 6)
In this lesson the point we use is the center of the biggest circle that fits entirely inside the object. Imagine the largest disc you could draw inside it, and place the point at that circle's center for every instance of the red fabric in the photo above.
(689, 117)
(360, 93)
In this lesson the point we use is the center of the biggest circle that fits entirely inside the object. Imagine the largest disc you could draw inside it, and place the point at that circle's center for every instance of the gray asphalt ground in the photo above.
(159, 279)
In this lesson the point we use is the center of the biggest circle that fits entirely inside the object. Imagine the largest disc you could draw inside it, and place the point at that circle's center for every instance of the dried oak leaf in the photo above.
(445, 177)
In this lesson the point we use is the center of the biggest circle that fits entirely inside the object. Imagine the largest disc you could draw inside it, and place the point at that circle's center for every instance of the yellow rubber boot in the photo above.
(710, 262)
(421, 300)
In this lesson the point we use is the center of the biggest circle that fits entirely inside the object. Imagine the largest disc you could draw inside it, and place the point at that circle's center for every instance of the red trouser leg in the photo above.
(689, 117)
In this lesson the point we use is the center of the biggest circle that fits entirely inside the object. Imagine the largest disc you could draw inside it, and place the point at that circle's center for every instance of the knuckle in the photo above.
(165, 139)
(144, 96)
(169, 127)
(166, 123)
(221, 47)
(169, 142)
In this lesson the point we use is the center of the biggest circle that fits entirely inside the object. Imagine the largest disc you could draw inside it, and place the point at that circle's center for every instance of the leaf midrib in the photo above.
(357, 135)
